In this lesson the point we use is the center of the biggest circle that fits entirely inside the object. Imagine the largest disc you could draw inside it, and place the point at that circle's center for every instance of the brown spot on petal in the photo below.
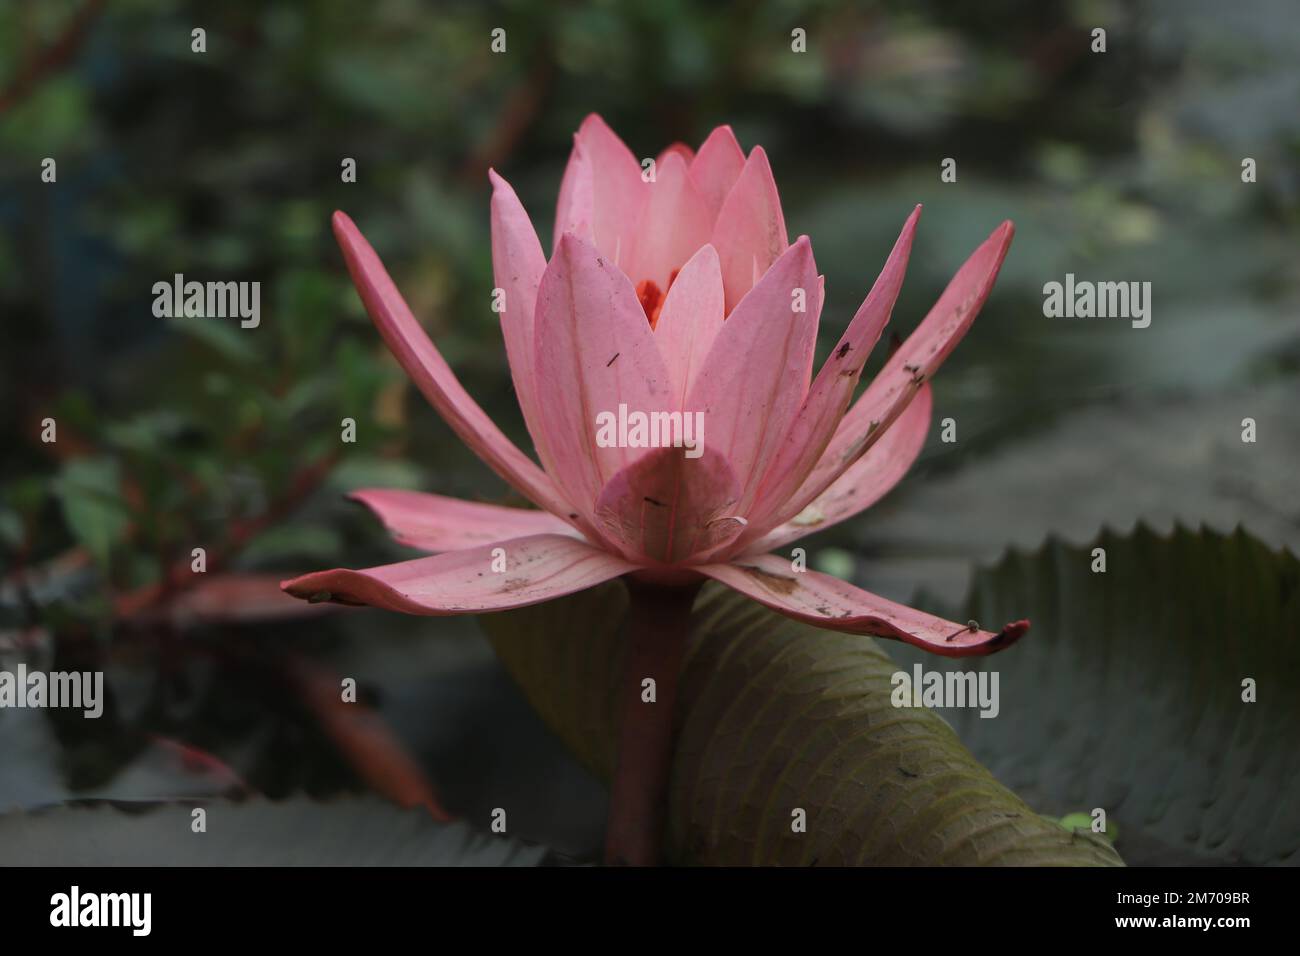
(773, 582)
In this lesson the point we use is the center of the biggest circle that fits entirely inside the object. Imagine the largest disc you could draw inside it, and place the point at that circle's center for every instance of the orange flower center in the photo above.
(652, 300)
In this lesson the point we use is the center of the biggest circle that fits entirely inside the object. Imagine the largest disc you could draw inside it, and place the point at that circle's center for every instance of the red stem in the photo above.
(655, 631)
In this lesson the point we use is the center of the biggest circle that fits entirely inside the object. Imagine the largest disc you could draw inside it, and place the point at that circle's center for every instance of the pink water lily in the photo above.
(677, 292)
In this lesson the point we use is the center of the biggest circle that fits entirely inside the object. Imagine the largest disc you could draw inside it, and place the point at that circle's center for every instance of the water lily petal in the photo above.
(431, 374)
(537, 568)
(716, 168)
(517, 267)
(828, 602)
(666, 507)
(827, 400)
(907, 370)
(756, 373)
(866, 481)
(673, 225)
(575, 209)
(595, 351)
(617, 190)
(750, 230)
(690, 319)
(680, 149)
(437, 523)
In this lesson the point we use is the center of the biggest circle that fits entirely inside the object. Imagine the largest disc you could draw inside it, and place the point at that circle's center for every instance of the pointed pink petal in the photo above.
(907, 370)
(575, 210)
(755, 376)
(681, 149)
(716, 168)
(868, 480)
(595, 350)
(829, 396)
(836, 605)
(666, 507)
(750, 230)
(436, 523)
(517, 267)
(672, 227)
(434, 377)
(690, 320)
(538, 568)
(617, 190)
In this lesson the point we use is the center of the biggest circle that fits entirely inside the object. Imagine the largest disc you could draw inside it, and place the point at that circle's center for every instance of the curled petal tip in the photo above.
(341, 220)
(1010, 634)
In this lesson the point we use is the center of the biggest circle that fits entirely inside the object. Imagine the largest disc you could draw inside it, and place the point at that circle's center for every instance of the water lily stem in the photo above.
(655, 632)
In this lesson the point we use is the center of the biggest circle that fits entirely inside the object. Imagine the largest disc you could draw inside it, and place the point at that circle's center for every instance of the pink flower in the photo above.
(678, 295)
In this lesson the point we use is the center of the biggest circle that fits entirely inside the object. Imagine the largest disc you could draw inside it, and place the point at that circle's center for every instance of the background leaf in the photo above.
(1160, 462)
(1134, 680)
(90, 492)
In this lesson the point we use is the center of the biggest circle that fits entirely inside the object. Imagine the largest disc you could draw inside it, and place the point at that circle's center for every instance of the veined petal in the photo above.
(866, 481)
(537, 568)
(617, 190)
(437, 523)
(434, 377)
(666, 507)
(813, 426)
(756, 373)
(716, 168)
(690, 320)
(906, 372)
(828, 602)
(750, 230)
(595, 351)
(517, 267)
(575, 210)
(673, 225)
